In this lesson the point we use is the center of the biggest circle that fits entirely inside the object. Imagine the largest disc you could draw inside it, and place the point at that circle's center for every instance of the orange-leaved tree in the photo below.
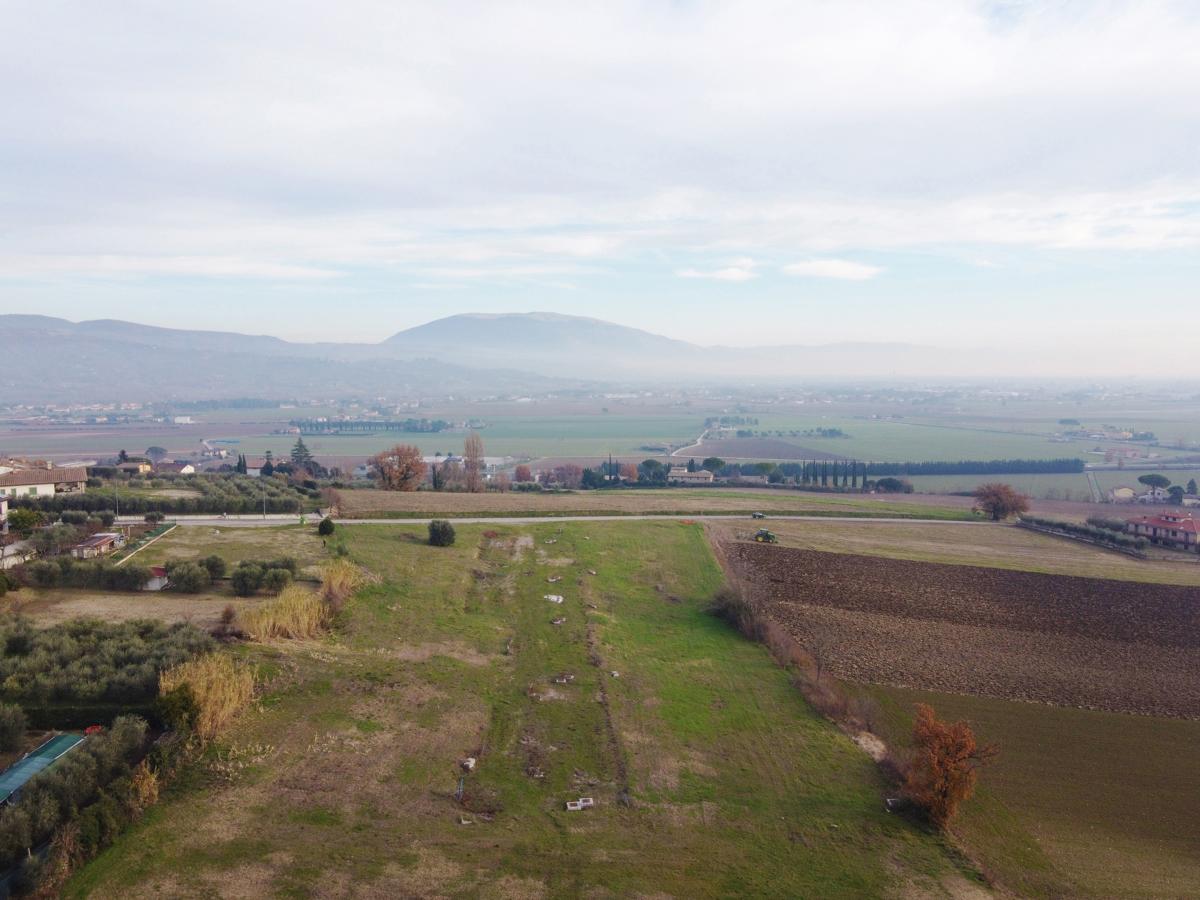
(1000, 501)
(944, 767)
(399, 469)
(522, 473)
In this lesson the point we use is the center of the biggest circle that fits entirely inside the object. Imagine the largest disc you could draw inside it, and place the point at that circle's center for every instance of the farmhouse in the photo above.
(175, 468)
(1155, 495)
(680, 475)
(3, 514)
(43, 482)
(99, 544)
(136, 467)
(1171, 529)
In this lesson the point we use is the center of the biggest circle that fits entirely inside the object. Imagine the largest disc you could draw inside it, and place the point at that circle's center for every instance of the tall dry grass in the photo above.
(221, 686)
(298, 613)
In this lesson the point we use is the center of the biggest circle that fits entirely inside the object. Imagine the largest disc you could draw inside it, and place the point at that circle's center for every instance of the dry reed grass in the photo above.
(300, 614)
(221, 687)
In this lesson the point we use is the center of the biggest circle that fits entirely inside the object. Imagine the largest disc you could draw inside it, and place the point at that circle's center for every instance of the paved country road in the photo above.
(275, 520)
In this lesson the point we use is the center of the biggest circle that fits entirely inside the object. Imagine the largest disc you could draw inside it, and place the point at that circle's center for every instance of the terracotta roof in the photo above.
(43, 476)
(1182, 523)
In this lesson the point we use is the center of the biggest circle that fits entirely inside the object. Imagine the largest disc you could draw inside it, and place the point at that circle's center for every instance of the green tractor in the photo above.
(763, 536)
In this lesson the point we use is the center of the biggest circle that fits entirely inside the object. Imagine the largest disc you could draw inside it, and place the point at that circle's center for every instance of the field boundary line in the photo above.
(126, 559)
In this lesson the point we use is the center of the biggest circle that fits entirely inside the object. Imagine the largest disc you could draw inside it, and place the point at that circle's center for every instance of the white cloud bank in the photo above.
(843, 269)
(495, 143)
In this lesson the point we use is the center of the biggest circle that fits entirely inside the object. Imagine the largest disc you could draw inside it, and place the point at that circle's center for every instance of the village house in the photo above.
(136, 467)
(1155, 495)
(175, 468)
(1170, 529)
(100, 544)
(680, 475)
(43, 482)
(3, 515)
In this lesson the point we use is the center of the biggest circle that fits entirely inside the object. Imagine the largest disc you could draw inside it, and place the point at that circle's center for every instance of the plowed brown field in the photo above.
(1086, 642)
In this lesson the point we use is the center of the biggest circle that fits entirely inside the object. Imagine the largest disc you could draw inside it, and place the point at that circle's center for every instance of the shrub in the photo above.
(326, 527)
(154, 517)
(177, 708)
(246, 579)
(12, 727)
(74, 516)
(441, 533)
(44, 574)
(188, 577)
(944, 767)
(894, 486)
(275, 580)
(220, 687)
(215, 565)
(106, 517)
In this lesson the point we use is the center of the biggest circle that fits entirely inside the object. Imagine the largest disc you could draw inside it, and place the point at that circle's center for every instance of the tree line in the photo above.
(979, 467)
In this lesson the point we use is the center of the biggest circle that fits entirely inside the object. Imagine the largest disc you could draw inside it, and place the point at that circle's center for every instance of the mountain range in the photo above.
(106, 360)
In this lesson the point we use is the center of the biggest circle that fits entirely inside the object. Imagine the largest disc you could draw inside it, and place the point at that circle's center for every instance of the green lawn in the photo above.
(1079, 803)
(342, 782)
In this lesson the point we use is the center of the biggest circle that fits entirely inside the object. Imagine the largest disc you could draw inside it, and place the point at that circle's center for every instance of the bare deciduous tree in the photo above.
(399, 469)
(473, 462)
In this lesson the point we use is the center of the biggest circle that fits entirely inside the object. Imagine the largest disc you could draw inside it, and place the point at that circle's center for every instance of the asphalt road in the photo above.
(275, 520)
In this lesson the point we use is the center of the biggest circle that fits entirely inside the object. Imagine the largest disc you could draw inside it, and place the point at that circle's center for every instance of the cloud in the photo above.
(740, 270)
(833, 268)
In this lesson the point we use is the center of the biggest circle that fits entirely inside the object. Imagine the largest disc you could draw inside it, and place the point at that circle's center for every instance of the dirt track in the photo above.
(1087, 642)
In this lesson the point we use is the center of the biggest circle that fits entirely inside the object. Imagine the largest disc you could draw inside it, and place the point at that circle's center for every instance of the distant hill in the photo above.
(49, 359)
(53, 360)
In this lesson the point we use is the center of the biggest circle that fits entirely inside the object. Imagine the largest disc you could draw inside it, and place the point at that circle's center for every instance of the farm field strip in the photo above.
(1086, 642)
(992, 545)
(670, 501)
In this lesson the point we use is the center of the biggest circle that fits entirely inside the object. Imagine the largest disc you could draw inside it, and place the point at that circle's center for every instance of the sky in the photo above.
(955, 173)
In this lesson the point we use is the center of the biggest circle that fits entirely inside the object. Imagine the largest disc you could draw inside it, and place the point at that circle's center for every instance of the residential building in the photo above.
(43, 482)
(158, 579)
(680, 475)
(3, 515)
(1169, 529)
(100, 544)
(136, 467)
(1155, 495)
(175, 468)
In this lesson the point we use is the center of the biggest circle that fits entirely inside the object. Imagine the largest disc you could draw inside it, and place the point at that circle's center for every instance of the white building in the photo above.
(43, 482)
(680, 475)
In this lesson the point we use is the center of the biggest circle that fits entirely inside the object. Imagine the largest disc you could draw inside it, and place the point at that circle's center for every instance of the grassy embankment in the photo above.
(343, 782)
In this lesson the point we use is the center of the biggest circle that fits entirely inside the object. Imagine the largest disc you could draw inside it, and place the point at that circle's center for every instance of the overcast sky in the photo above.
(725, 173)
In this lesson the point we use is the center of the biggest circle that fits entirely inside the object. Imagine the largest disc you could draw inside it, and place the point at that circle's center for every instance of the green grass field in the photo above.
(192, 542)
(342, 781)
(1079, 803)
